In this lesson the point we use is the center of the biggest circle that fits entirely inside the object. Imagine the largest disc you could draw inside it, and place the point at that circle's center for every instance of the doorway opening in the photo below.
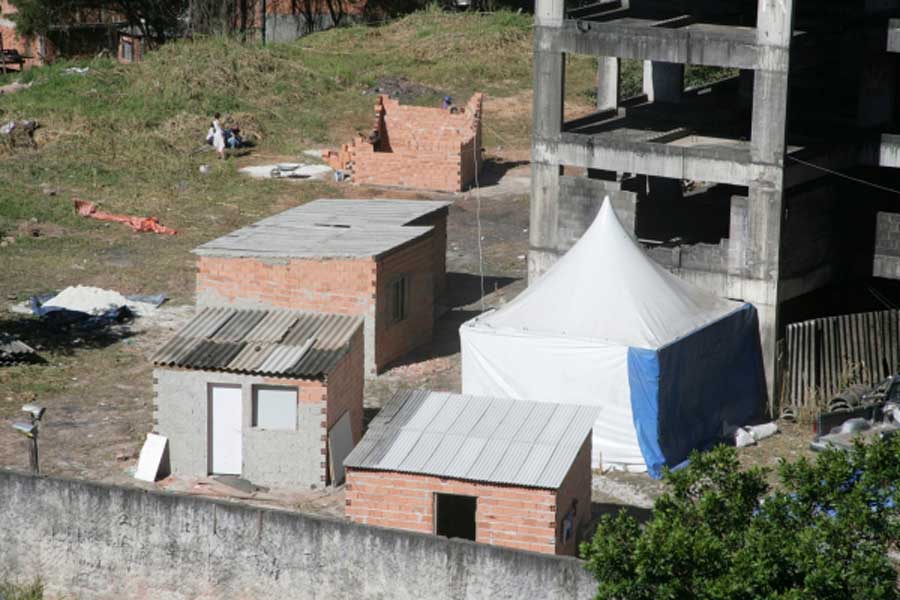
(454, 516)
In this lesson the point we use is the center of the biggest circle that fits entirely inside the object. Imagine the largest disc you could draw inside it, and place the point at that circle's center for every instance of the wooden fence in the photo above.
(825, 355)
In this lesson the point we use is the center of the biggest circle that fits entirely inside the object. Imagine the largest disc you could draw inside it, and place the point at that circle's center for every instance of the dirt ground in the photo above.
(99, 406)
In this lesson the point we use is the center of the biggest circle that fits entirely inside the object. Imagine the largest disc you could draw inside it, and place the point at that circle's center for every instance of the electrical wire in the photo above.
(845, 176)
(475, 150)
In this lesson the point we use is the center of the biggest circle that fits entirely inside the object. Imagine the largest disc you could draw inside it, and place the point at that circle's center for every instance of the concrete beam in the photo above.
(715, 46)
(719, 165)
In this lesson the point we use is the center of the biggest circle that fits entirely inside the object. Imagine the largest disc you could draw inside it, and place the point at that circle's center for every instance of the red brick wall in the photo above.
(350, 287)
(576, 486)
(138, 45)
(508, 516)
(339, 286)
(394, 339)
(345, 388)
(419, 147)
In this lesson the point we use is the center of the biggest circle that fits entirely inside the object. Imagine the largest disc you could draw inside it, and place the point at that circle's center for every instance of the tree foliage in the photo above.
(720, 532)
(158, 20)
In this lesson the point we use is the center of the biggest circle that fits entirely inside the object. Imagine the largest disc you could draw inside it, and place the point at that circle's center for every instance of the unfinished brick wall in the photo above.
(343, 286)
(416, 147)
(515, 517)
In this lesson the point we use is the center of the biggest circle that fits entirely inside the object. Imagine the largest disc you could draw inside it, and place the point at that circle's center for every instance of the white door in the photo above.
(225, 416)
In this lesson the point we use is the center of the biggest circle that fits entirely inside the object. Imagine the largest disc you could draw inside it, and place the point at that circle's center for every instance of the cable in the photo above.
(475, 149)
(839, 174)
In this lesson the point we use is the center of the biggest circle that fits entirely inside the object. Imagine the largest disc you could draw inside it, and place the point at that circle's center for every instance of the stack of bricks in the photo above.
(416, 147)
(506, 515)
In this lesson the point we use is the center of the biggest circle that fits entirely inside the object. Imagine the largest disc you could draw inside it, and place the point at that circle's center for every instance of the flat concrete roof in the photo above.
(329, 228)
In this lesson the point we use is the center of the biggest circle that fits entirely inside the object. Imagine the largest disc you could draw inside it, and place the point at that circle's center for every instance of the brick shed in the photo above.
(271, 395)
(382, 259)
(131, 45)
(498, 471)
(416, 147)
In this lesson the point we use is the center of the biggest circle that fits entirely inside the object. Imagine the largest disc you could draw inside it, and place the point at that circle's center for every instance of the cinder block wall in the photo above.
(393, 339)
(276, 458)
(514, 517)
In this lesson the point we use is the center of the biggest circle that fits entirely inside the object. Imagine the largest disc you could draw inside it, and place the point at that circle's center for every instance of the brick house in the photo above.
(382, 259)
(87, 32)
(273, 396)
(416, 147)
(131, 46)
(499, 471)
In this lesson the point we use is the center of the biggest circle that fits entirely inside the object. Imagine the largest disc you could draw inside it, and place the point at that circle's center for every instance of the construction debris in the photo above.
(140, 224)
(95, 302)
(13, 351)
(288, 171)
(15, 86)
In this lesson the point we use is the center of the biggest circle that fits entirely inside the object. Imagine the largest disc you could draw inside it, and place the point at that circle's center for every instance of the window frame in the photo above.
(254, 406)
(399, 299)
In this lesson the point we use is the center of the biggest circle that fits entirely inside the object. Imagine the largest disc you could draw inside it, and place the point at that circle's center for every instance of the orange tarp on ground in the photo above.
(149, 224)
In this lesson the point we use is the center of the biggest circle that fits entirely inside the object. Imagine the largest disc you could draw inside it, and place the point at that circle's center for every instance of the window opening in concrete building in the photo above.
(275, 407)
(399, 298)
(454, 516)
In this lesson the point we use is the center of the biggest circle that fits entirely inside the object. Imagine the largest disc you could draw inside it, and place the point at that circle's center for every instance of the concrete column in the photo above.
(608, 76)
(762, 251)
(549, 87)
(663, 82)
(876, 90)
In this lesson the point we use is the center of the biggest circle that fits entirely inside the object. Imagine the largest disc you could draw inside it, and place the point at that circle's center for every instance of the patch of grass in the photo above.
(15, 591)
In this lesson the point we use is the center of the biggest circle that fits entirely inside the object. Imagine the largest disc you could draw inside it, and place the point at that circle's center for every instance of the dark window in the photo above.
(454, 516)
(399, 298)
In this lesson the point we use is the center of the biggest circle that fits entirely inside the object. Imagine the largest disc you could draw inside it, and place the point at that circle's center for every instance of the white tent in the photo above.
(669, 364)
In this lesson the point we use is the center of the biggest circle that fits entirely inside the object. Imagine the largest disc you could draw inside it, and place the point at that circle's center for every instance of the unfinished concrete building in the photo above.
(731, 184)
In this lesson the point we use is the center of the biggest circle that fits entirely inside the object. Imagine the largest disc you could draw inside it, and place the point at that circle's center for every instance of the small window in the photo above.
(454, 516)
(128, 50)
(399, 298)
(275, 408)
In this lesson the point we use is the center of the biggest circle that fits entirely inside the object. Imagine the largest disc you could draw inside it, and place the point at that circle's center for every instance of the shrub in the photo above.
(720, 532)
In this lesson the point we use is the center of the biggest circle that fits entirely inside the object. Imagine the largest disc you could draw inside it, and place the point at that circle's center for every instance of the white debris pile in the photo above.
(94, 301)
(298, 171)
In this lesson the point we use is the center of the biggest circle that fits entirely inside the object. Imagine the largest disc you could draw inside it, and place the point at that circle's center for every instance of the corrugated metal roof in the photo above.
(264, 342)
(329, 228)
(14, 351)
(495, 440)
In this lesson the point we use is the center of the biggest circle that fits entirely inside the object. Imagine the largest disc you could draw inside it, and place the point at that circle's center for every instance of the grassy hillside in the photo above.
(127, 135)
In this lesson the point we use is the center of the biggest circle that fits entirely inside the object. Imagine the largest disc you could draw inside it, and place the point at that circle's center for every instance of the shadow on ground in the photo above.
(465, 288)
(494, 169)
(65, 334)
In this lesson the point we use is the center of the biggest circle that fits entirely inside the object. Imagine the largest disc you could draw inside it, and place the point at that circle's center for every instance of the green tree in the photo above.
(158, 20)
(720, 532)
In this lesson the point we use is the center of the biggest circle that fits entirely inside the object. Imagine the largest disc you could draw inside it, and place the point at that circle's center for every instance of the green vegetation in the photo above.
(128, 136)
(15, 591)
(720, 533)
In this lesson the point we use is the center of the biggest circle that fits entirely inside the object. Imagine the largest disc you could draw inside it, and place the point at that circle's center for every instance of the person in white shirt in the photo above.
(218, 136)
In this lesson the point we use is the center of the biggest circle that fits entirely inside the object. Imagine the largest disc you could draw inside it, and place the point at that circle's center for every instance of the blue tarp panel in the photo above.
(709, 379)
(643, 381)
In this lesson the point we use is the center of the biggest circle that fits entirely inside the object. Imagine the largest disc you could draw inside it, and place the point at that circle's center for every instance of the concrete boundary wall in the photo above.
(92, 540)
